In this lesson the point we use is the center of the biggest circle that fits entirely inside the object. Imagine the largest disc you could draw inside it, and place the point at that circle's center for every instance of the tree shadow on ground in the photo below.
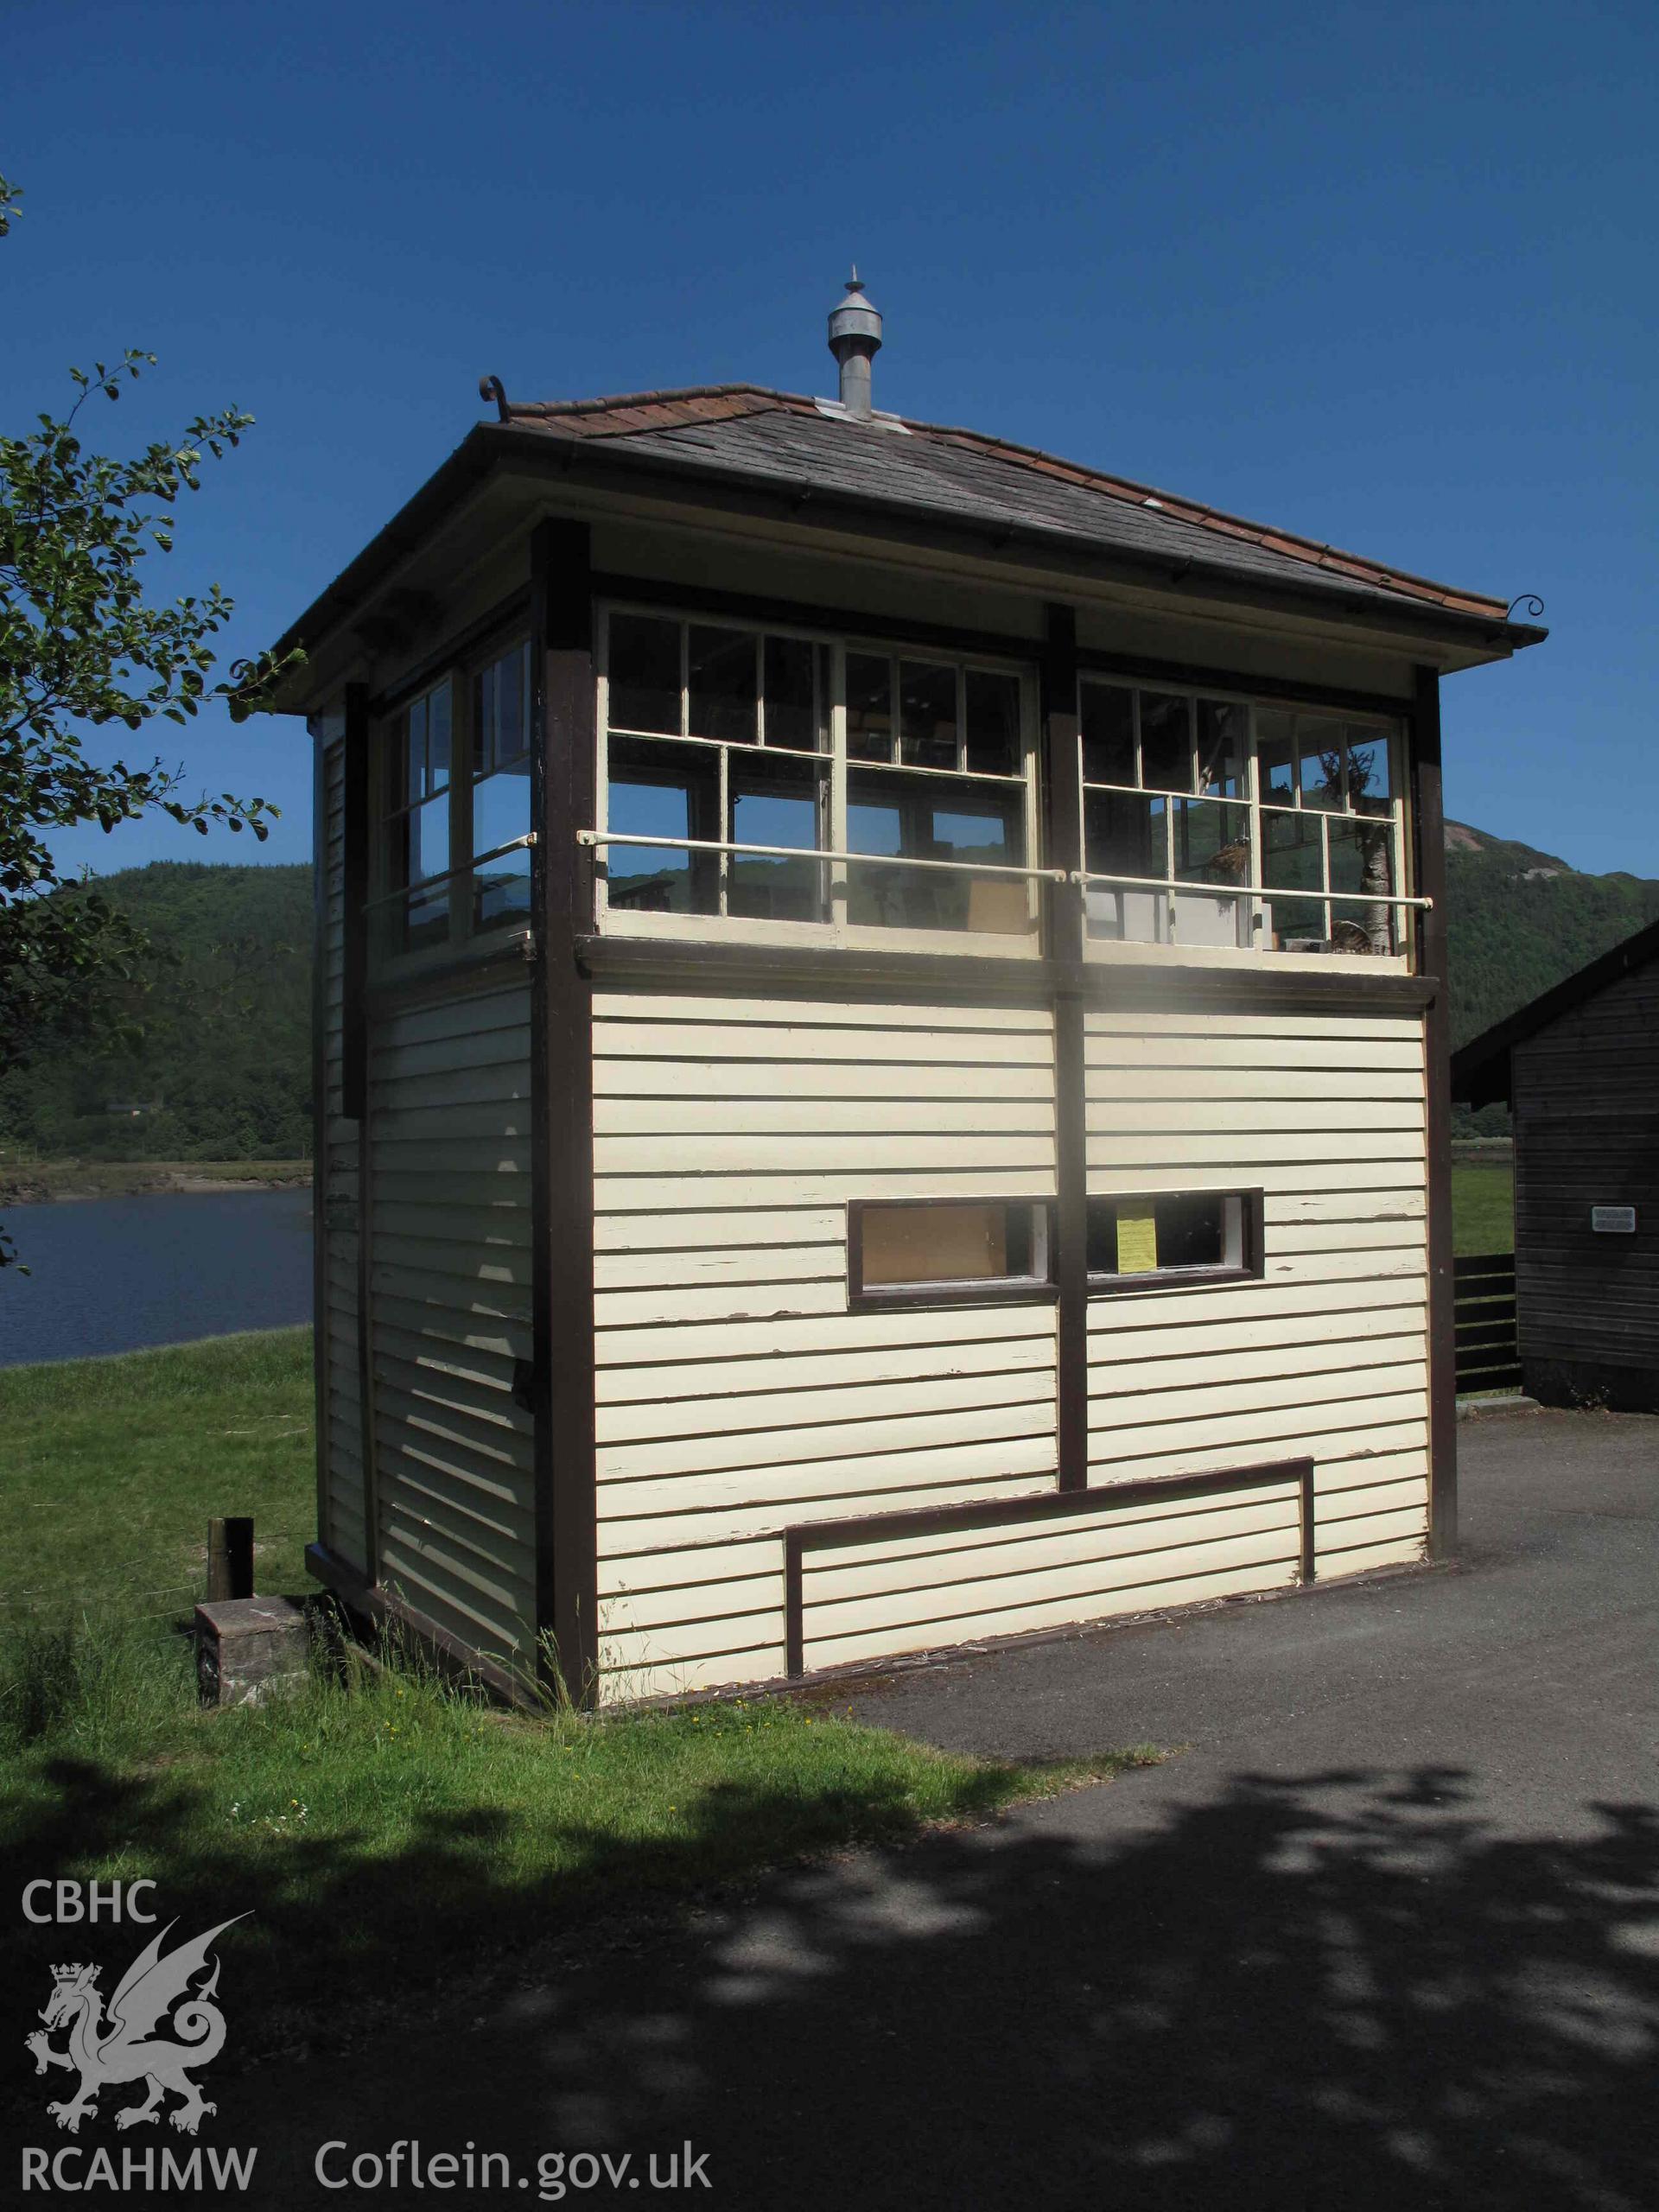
(1339, 1985)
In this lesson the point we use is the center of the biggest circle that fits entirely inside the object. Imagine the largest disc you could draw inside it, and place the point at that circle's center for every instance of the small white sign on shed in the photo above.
(1613, 1221)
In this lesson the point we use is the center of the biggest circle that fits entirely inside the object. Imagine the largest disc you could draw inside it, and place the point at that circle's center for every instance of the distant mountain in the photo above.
(222, 1069)
(217, 1061)
(1519, 920)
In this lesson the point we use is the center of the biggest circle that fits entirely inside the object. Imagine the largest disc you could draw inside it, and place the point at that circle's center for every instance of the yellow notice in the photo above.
(1137, 1240)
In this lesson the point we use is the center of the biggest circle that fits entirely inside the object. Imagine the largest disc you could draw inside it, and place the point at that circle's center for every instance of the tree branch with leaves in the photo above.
(83, 648)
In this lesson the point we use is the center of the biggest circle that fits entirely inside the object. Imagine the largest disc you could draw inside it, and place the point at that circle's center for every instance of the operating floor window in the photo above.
(417, 811)
(727, 737)
(716, 736)
(501, 791)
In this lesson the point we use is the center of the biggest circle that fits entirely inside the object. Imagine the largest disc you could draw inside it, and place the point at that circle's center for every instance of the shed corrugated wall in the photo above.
(449, 1271)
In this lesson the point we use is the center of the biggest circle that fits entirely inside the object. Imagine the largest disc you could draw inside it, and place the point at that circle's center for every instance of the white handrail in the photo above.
(431, 882)
(671, 844)
(1264, 891)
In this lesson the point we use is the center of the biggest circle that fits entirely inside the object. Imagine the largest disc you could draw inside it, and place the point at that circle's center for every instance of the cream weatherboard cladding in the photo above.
(450, 1134)
(344, 1513)
(736, 1395)
(1327, 1353)
(900, 1591)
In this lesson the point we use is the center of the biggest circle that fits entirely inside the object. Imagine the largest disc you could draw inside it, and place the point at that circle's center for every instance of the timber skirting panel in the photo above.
(884, 1584)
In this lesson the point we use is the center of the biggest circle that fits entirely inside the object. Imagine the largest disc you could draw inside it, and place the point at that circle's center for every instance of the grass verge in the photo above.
(1483, 1209)
(109, 1470)
(386, 1831)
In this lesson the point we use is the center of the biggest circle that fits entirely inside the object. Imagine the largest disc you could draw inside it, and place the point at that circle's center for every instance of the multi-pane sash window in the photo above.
(1219, 822)
(500, 749)
(418, 815)
(729, 749)
(717, 737)
(936, 771)
(455, 860)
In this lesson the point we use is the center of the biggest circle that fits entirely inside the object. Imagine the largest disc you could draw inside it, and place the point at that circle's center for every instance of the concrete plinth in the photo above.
(246, 1647)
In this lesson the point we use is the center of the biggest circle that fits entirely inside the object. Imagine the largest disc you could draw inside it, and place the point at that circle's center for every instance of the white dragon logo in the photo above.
(122, 2047)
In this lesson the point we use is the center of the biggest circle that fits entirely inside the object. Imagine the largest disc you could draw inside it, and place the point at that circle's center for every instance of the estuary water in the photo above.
(115, 1274)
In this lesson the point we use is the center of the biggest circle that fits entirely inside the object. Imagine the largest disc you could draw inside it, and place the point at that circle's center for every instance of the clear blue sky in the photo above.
(1382, 274)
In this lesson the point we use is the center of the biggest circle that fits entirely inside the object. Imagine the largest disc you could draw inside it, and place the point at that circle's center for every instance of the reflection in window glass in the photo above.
(791, 699)
(1291, 861)
(1212, 842)
(892, 813)
(417, 785)
(1370, 790)
(428, 840)
(951, 1241)
(1166, 742)
(501, 808)
(1126, 835)
(426, 854)
(1318, 741)
(869, 708)
(1108, 735)
(992, 716)
(644, 673)
(501, 712)
(414, 782)
(666, 791)
(501, 890)
(720, 672)
(502, 789)
(1361, 861)
(1223, 741)
(1275, 758)
(927, 715)
(776, 803)
(437, 738)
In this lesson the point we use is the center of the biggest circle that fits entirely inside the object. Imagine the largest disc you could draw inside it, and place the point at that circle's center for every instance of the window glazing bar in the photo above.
(667, 842)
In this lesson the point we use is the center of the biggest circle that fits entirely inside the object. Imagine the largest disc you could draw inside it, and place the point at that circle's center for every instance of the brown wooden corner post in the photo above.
(1064, 940)
(319, 1354)
(354, 1073)
(1428, 853)
(562, 1117)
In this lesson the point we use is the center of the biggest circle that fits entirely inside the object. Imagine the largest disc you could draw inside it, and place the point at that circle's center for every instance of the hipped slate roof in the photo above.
(782, 438)
(807, 459)
(1480, 1071)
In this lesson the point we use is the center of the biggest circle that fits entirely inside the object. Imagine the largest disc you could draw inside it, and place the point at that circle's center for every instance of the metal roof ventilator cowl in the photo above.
(855, 339)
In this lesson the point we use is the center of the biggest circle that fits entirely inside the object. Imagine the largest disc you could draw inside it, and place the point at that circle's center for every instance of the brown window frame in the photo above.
(976, 1290)
(389, 954)
(1252, 1213)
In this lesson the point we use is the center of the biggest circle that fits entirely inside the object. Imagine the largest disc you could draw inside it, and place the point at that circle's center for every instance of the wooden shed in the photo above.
(1580, 1069)
(882, 1054)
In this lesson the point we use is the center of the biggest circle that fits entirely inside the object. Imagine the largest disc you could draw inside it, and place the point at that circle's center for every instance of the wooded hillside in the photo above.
(217, 1049)
(1520, 921)
(223, 1066)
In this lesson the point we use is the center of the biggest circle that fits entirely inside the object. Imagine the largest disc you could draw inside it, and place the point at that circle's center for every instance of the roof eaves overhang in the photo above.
(546, 454)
